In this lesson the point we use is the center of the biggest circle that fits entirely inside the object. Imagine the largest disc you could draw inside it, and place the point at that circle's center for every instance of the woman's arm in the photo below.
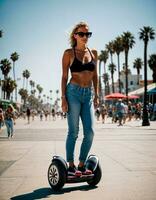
(95, 76)
(65, 68)
(95, 81)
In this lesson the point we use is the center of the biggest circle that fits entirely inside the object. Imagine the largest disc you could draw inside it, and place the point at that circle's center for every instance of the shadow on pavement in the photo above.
(45, 192)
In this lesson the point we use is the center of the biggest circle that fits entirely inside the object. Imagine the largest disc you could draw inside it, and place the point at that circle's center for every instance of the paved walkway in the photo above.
(127, 156)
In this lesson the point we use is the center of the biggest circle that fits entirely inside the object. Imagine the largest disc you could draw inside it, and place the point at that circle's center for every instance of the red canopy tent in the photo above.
(116, 96)
(133, 97)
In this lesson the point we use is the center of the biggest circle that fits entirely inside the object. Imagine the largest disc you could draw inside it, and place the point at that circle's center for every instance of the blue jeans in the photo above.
(79, 106)
(9, 126)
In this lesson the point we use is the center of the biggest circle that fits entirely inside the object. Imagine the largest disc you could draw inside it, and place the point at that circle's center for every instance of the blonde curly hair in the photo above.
(72, 40)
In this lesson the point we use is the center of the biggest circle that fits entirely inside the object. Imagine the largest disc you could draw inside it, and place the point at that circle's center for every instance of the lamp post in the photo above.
(145, 117)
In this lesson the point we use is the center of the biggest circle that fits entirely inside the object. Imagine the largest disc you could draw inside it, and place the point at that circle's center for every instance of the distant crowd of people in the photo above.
(43, 114)
(121, 112)
(9, 116)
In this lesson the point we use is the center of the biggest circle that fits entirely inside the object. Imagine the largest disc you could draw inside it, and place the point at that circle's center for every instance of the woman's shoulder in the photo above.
(94, 52)
(68, 51)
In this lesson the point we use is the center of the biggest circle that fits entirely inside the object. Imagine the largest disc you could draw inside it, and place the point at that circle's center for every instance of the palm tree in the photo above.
(44, 96)
(24, 95)
(48, 99)
(5, 66)
(128, 42)
(112, 69)
(106, 82)
(33, 92)
(152, 65)
(26, 74)
(146, 33)
(110, 49)
(32, 84)
(39, 88)
(57, 92)
(9, 87)
(137, 64)
(102, 58)
(118, 48)
(14, 57)
(123, 71)
(51, 96)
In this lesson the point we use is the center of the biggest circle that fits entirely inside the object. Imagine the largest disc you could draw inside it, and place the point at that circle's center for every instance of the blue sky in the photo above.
(38, 31)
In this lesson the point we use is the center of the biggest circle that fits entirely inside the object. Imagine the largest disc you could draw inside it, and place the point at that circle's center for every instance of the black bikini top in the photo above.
(78, 66)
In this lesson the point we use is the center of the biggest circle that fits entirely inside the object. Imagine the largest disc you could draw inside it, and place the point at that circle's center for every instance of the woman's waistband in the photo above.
(74, 85)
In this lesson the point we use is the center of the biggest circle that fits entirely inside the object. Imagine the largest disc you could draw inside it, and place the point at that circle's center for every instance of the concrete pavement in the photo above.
(127, 156)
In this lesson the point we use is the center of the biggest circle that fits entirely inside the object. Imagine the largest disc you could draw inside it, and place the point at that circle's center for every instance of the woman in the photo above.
(9, 118)
(77, 94)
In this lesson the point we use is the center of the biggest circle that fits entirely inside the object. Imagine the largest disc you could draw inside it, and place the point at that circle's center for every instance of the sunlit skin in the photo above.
(84, 78)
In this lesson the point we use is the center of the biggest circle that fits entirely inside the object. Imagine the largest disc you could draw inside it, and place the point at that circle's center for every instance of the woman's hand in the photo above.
(96, 102)
(64, 105)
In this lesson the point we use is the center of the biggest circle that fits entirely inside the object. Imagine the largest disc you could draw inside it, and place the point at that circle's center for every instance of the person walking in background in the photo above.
(125, 112)
(103, 112)
(1, 118)
(97, 113)
(9, 118)
(77, 94)
(129, 111)
(41, 115)
(120, 111)
(28, 112)
(154, 112)
(53, 114)
(46, 114)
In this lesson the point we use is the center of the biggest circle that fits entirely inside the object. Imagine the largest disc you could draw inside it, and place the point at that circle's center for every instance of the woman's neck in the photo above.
(81, 47)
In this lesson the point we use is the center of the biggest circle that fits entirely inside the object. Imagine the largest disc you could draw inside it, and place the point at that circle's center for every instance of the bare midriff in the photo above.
(83, 79)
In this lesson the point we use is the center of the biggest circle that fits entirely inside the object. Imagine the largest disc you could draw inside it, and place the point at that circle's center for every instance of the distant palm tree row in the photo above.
(124, 43)
(8, 85)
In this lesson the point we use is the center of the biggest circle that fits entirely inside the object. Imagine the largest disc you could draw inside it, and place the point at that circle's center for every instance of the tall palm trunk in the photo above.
(112, 77)
(126, 73)
(111, 58)
(138, 74)
(145, 112)
(119, 73)
(104, 67)
(104, 80)
(27, 84)
(14, 70)
(14, 80)
(4, 91)
(100, 86)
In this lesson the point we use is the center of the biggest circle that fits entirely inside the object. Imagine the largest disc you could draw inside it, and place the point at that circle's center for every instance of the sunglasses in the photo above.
(82, 34)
